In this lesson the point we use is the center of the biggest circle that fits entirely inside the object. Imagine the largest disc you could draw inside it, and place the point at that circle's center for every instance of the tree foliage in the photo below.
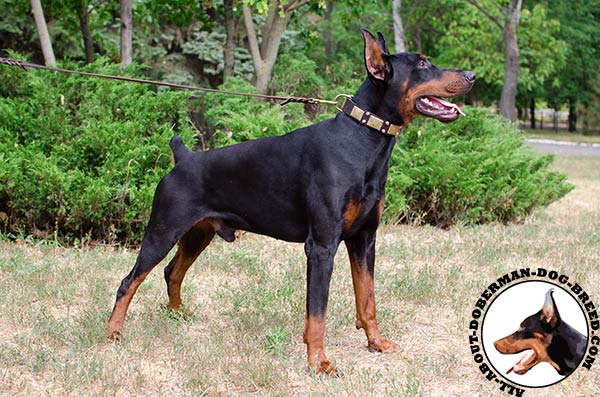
(578, 81)
(474, 43)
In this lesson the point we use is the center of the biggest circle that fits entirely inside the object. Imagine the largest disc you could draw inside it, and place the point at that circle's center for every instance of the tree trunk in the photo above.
(88, 41)
(572, 116)
(511, 46)
(126, 33)
(42, 29)
(327, 33)
(229, 50)
(399, 38)
(584, 116)
(532, 112)
(265, 56)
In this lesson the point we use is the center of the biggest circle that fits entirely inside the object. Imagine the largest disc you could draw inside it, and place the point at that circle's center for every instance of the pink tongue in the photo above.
(445, 103)
(520, 365)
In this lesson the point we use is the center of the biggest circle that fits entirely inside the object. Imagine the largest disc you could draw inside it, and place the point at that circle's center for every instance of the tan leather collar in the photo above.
(369, 119)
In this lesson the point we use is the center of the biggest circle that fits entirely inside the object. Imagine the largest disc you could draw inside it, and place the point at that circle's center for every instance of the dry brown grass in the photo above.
(248, 301)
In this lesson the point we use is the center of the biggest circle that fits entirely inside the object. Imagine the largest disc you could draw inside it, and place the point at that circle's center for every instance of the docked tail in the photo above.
(178, 149)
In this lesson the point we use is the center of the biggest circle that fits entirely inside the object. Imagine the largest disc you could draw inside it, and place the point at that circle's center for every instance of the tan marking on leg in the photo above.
(187, 252)
(364, 294)
(314, 333)
(117, 318)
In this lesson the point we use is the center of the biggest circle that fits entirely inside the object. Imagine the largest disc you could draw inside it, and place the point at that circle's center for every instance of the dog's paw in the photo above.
(382, 345)
(180, 311)
(115, 336)
(326, 368)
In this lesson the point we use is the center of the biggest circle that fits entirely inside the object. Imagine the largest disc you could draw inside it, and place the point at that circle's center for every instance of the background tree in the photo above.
(542, 55)
(86, 33)
(577, 83)
(190, 42)
(474, 43)
(42, 29)
(399, 39)
(264, 54)
(126, 32)
(507, 19)
(229, 48)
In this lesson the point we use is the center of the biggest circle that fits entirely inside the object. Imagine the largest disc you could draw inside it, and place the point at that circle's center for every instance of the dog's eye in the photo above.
(422, 64)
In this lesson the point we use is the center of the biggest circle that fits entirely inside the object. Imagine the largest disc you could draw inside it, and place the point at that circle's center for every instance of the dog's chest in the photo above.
(361, 210)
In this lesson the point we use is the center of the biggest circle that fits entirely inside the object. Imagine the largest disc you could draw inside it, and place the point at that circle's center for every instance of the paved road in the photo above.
(564, 148)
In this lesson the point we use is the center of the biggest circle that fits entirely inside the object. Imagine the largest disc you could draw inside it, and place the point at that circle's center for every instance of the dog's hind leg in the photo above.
(153, 250)
(168, 223)
(190, 246)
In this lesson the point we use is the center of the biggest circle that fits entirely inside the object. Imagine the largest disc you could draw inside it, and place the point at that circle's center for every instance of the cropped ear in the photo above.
(382, 43)
(374, 57)
(549, 312)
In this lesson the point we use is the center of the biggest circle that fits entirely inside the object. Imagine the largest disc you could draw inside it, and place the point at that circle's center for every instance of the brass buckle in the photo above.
(337, 99)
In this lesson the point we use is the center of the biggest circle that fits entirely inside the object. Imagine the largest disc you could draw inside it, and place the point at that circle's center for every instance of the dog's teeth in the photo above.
(442, 105)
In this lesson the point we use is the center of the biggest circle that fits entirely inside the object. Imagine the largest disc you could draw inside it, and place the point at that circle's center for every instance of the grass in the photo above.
(245, 334)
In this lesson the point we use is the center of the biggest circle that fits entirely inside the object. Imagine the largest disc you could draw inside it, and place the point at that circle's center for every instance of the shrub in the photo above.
(232, 119)
(83, 155)
(472, 171)
(296, 74)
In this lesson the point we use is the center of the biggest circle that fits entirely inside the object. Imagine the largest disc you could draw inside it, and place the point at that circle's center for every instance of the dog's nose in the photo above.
(470, 76)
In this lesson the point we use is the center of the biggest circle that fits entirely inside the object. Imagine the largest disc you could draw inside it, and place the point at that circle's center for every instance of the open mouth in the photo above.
(438, 108)
(524, 363)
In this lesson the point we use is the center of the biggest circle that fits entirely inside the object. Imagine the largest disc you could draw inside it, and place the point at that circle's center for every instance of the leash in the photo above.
(283, 99)
(348, 106)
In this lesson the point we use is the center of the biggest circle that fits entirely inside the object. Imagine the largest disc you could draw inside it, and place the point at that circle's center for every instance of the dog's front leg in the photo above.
(320, 266)
(361, 250)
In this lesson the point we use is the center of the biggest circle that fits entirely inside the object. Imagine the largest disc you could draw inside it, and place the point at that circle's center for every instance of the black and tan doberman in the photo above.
(318, 185)
(544, 337)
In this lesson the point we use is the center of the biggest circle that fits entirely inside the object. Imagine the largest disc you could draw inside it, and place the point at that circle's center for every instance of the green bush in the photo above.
(231, 119)
(475, 170)
(295, 74)
(83, 155)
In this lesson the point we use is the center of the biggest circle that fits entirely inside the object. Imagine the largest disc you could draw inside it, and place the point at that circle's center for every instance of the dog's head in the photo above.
(413, 86)
(533, 337)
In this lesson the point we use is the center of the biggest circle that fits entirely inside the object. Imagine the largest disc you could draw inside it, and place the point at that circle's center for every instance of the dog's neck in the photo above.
(372, 96)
